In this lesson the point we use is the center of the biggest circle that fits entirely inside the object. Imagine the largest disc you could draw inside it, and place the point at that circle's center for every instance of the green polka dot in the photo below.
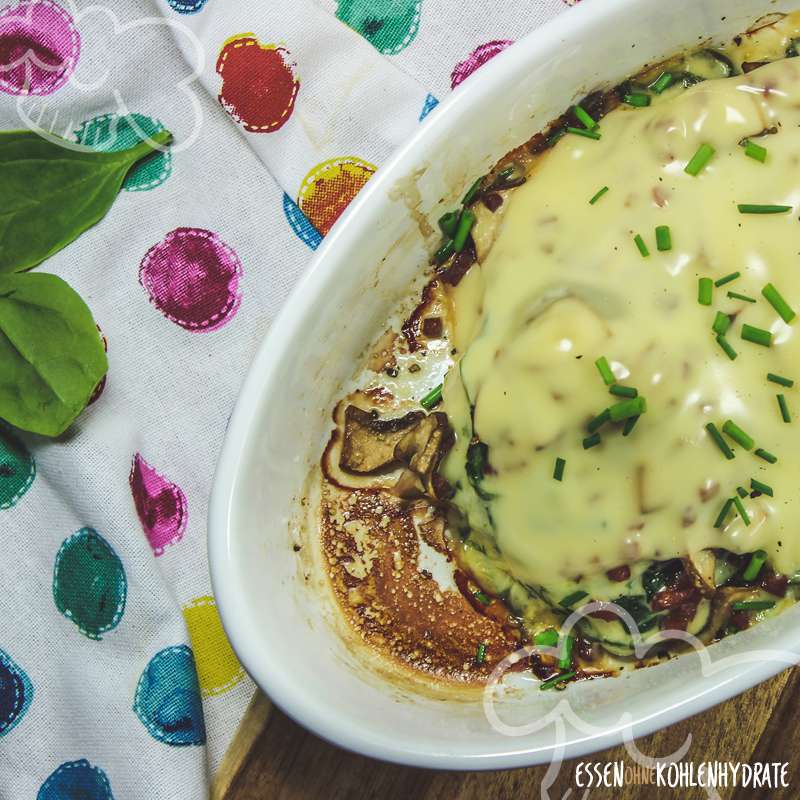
(389, 25)
(17, 470)
(111, 133)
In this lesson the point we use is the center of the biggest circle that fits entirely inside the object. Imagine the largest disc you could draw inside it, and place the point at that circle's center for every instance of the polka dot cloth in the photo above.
(113, 660)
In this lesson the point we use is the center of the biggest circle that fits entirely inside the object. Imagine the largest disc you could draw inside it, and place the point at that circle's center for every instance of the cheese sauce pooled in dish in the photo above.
(565, 284)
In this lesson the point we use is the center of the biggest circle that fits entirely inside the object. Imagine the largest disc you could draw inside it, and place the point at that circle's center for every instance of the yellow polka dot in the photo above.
(218, 669)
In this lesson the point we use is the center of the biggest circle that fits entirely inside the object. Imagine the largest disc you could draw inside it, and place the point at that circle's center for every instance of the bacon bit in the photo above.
(774, 583)
(658, 197)
(460, 264)
(492, 201)
(600, 613)
(410, 327)
(749, 66)
(432, 327)
(584, 649)
(620, 573)
(543, 667)
(740, 620)
(495, 610)
(379, 394)
(669, 598)
(679, 618)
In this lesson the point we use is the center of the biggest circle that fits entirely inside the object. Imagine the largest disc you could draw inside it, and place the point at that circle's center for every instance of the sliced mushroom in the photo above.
(423, 448)
(701, 567)
(369, 442)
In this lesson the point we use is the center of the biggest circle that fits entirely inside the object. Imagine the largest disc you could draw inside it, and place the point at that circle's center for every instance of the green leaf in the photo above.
(52, 193)
(51, 353)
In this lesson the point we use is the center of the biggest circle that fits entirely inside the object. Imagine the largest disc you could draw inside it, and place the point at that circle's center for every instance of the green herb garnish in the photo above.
(433, 398)
(583, 132)
(448, 223)
(763, 488)
(597, 195)
(785, 415)
(724, 511)
(585, 119)
(556, 679)
(472, 192)
(565, 660)
(721, 323)
(629, 425)
(663, 81)
(598, 421)
(699, 159)
(637, 99)
(548, 638)
(716, 436)
(480, 654)
(732, 276)
(627, 408)
(755, 151)
(766, 455)
(558, 471)
(756, 335)
(605, 370)
(726, 346)
(705, 287)
(481, 597)
(741, 491)
(738, 435)
(663, 238)
(623, 391)
(591, 441)
(444, 252)
(752, 605)
(641, 245)
(779, 379)
(571, 599)
(465, 223)
(775, 299)
(755, 208)
(738, 296)
(737, 501)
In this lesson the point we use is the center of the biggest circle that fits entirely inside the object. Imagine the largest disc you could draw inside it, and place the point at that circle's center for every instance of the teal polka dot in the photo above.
(89, 583)
(112, 132)
(17, 470)
(389, 25)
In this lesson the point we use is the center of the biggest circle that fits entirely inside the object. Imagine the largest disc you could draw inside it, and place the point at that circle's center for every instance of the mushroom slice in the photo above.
(701, 567)
(369, 442)
(422, 449)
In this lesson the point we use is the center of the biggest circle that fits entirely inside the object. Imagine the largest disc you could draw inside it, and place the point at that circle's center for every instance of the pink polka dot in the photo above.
(477, 58)
(160, 505)
(192, 278)
(39, 47)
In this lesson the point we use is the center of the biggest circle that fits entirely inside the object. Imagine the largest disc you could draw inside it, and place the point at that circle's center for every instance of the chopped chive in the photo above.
(763, 488)
(724, 511)
(480, 654)
(622, 391)
(755, 151)
(732, 276)
(465, 224)
(714, 433)
(766, 455)
(548, 638)
(558, 472)
(637, 99)
(699, 159)
(661, 82)
(627, 408)
(565, 660)
(737, 501)
(788, 382)
(738, 435)
(745, 297)
(591, 441)
(600, 420)
(597, 195)
(573, 598)
(433, 398)
(629, 425)
(750, 605)
(641, 245)
(444, 252)
(726, 346)
(757, 561)
(605, 370)
(472, 192)
(704, 288)
(583, 132)
(663, 238)
(481, 597)
(755, 208)
(556, 679)
(585, 118)
(741, 491)
(721, 323)
(778, 303)
(756, 335)
(787, 417)
(448, 223)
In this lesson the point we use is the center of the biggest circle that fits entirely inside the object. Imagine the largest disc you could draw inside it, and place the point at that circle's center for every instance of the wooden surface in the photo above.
(272, 757)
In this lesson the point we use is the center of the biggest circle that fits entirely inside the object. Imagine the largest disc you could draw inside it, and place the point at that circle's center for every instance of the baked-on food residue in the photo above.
(592, 404)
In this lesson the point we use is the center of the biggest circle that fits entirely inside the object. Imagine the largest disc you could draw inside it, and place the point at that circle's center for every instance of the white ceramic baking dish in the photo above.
(274, 606)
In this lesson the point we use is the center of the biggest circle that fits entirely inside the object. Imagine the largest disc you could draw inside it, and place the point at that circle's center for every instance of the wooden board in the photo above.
(273, 757)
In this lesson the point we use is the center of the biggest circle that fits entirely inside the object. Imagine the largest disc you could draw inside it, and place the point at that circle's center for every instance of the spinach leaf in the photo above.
(660, 574)
(52, 193)
(636, 606)
(51, 353)
(477, 459)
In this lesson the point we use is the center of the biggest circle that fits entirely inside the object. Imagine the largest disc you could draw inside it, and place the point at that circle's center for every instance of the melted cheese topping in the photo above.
(564, 284)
